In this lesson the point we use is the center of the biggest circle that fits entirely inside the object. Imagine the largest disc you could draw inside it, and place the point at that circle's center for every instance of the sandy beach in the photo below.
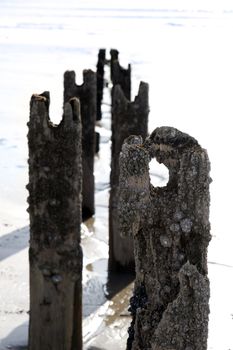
(184, 52)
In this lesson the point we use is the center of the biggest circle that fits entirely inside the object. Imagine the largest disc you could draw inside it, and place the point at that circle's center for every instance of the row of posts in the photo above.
(161, 233)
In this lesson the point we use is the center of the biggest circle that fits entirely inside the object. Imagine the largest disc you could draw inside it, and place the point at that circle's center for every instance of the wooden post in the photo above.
(127, 118)
(119, 75)
(87, 96)
(55, 178)
(100, 81)
(171, 231)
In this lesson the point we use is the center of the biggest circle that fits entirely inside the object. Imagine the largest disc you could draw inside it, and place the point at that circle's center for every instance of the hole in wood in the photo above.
(159, 174)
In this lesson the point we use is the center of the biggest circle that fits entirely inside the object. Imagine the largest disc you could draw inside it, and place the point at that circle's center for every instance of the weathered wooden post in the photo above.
(119, 75)
(86, 93)
(100, 81)
(171, 231)
(55, 179)
(127, 118)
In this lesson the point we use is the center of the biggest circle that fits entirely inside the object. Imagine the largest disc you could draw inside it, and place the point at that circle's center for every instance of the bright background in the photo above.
(183, 49)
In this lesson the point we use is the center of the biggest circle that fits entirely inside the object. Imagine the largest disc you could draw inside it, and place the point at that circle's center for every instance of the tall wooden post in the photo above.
(55, 178)
(100, 81)
(127, 118)
(119, 75)
(171, 231)
(87, 96)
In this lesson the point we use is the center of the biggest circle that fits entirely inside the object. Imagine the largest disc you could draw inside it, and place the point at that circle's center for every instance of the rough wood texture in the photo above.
(119, 75)
(100, 81)
(86, 93)
(55, 178)
(127, 118)
(171, 231)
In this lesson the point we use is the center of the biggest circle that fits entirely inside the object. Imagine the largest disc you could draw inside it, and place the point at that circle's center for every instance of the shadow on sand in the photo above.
(13, 242)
